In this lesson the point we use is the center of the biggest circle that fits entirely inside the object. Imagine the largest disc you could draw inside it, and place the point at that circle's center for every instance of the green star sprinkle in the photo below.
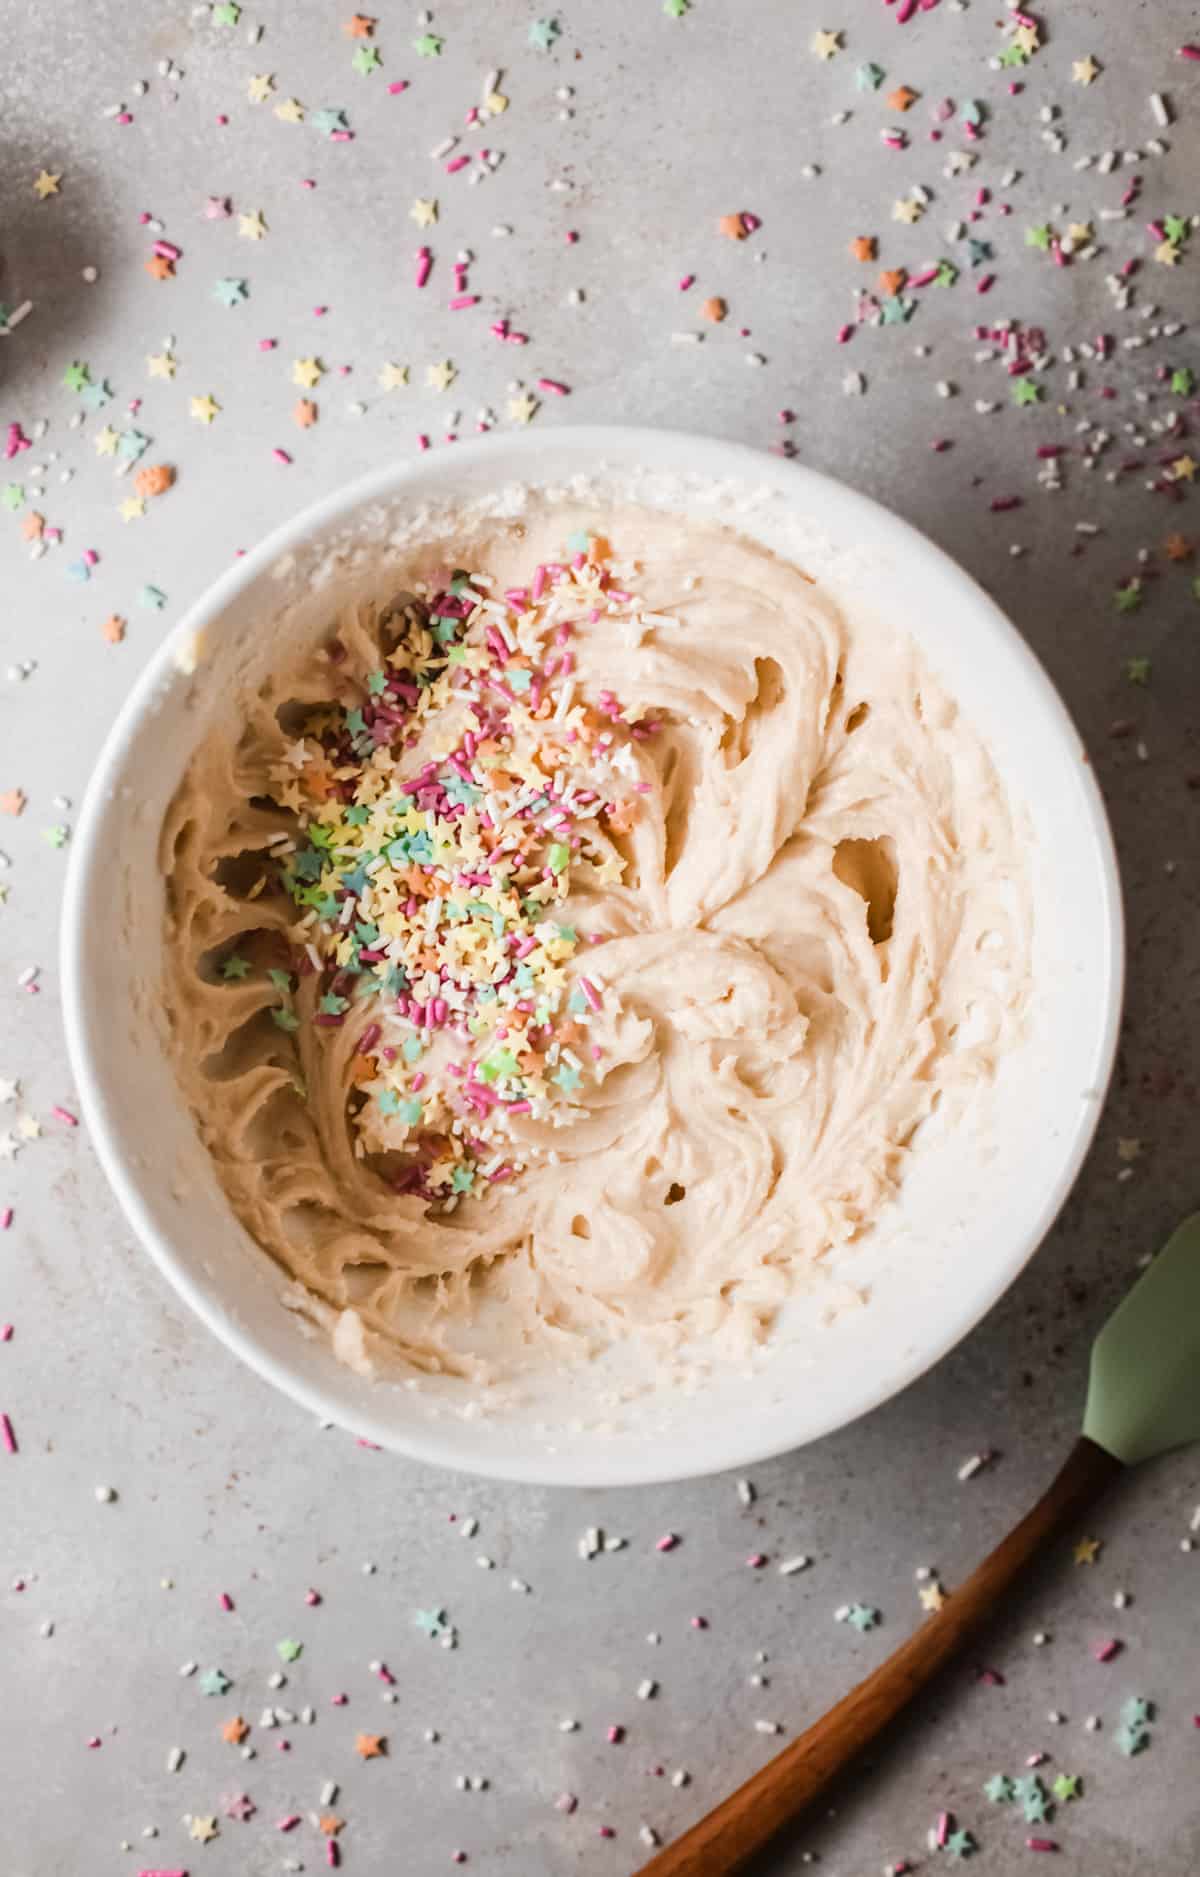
(366, 60)
(288, 1650)
(212, 1682)
(285, 1020)
(960, 1844)
(12, 495)
(428, 46)
(1014, 55)
(1039, 237)
(869, 77)
(675, 9)
(57, 836)
(1137, 670)
(153, 597)
(1128, 598)
(543, 33)
(999, 1789)
(1177, 228)
(1026, 391)
(227, 14)
(76, 376)
(979, 251)
(1182, 382)
(234, 968)
(231, 292)
(1066, 1786)
(862, 1616)
(947, 274)
(1035, 1808)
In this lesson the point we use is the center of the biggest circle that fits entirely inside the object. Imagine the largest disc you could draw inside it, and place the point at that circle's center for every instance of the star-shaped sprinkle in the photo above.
(424, 212)
(217, 209)
(1039, 237)
(57, 836)
(307, 372)
(1176, 228)
(12, 801)
(1026, 391)
(13, 494)
(1126, 599)
(902, 99)
(960, 1844)
(891, 280)
(896, 310)
(370, 1746)
(1079, 232)
(1137, 1711)
(161, 364)
(946, 274)
(1184, 468)
(8, 1090)
(233, 971)
(212, 1682)
(260, 87)
(1088, 1549)
(428, 46)
(1026, 39)
(861, 1616)
(1167, 254)
(76, 376)
(289, 1650)
(159, 267)
(440, 376)
(908, 209)
(106, 440)
(869, 77)
(46, 183)
(291, 111)
(675, 9)
(235, 1730)
(1066, 1787)
(304, 413)
(204, 409)
(543, 33)
(33, 526)
(203, 1830)
(132, 508)
(1035, 1808)
(524, 408)
(932, 1596)
(433, 1622)
(979, 251)
(393, 377)
(1138, 670)
(1083, 71)
(999, 1789)
(228, 13)
(1182, 381)
(366, 60)
(239, 1805)
(113, 628)
(359, 26)
(328, 121)
(1178, 547)
(825, 45)
(252, 227)
(155, 599)
(8, 1147)
(863, 247)
(231, 292)
(1013, 54)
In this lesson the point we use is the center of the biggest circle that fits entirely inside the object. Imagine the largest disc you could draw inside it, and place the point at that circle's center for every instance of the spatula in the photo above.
(1143, 1399)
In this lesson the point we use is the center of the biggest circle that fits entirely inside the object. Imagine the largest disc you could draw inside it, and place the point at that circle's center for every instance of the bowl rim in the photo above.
(742, 463)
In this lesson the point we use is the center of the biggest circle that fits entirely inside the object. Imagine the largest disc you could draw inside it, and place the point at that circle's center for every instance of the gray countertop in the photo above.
(622, 146)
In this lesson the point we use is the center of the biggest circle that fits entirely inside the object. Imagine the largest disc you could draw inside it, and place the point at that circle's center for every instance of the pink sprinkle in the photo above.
(688, 280)
(397, 86)
(90, 558)
(698, 1622)
(845, 334)
(64, 1114)
(614, 1736)
(281, 456)
(606, 1831)
(94, 1742)
(1036, 1759)
(593, 996)
(986, 284)
(945, 1820)
(456, 163)
(423, 442)
(667, 1542)
(338, 1701)
(1001, 504)
(168, 251)
(333, 1856)
(1041, 1844)
(162, 1873)
(385, 1674)
(991, 1677)
(289, 1823)
(267, 345)
(6, 1332)
(922, 279)
(1105, 1651)
(756, 1560)
(1188, 52)
(460, 1857)
(566, 1802)
(554, 388)
(7, 1435)
(226, 1601)
(424, 266)
(462, 300)
(905, 11)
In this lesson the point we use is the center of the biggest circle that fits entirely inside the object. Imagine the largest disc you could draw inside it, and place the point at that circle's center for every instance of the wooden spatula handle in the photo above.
(745, 1823)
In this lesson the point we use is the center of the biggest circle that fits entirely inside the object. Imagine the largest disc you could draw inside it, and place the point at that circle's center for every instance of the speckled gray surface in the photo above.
(220, 1485)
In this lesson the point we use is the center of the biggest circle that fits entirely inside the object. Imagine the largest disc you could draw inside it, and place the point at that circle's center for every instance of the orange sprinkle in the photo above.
(864, 247)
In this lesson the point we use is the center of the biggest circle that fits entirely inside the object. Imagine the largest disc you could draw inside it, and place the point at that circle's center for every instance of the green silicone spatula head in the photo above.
(1144, 1388)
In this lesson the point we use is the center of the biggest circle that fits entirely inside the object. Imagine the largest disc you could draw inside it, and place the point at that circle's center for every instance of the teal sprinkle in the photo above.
(389, 1102)
(333, 1006)
(462, 1179)
(577, 1003)
(286, 1020)
(282, 980)
(376, 682)
(153, 597)
(411, 1111)
(568, 1079)
(412, 1049)
(518, 677)
(579, 542)
(357, 816)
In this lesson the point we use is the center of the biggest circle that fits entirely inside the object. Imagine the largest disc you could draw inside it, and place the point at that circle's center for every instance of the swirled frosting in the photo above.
(571, 944)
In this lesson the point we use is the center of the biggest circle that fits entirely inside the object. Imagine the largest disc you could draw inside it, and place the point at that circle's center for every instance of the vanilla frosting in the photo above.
(809, 931)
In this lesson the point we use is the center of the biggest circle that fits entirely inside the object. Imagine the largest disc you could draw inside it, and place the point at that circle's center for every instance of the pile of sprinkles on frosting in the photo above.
(435, 888)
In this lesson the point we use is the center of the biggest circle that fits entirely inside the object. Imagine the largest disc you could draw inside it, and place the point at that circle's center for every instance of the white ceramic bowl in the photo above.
(969, 1217)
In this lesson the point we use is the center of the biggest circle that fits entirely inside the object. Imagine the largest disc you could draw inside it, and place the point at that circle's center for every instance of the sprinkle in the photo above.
(790, 1566)
(667, 1542)
(7, 1434)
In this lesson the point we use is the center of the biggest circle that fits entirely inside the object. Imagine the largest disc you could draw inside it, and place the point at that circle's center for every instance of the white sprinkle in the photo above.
(1160, 109)
(745, 1492)
(590, 1543)
(1041, 1639)
(1092, 1724)
(1055, 1718)
(680, 1777)
(767, 1727)
(105, 1494)
(648, 1835)
(518, 1583)
(646, 1688)
(790, 1566)
(189, 1668)
(175, 1759)
(1121, 1600)
(329, 1792)
(568, 1727)
(443, 148)
(485, 1563)
(974, 1465)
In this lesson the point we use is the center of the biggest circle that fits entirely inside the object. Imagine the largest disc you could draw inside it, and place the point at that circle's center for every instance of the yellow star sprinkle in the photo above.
(259, 89)
(161, 364)
(1026, 37)
(106, 441)
(1088, 1550)
(824, 45)
(1084, 70)
(132, 508)
(1080, 231)
(932, 1596)
(423, 213)
(204, 409)
(441, 376)
(307, 372)
(393, 377)
(908, 210)
(202, 1829)
(522, 409)
(46, 184)
(1167, 254)
(1183, 469)
(291, 111)
(253, 226)
(496, 102)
